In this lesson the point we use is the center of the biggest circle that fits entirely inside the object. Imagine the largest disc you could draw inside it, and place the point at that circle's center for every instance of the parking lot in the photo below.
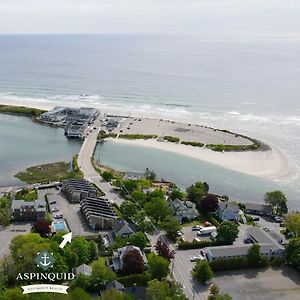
(190, 235)
(262, 284)
(70, 211)
(11, 231)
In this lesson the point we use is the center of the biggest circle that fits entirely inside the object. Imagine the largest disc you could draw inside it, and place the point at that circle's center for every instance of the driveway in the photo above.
(11, 231)
(190, 234)
(262, 284)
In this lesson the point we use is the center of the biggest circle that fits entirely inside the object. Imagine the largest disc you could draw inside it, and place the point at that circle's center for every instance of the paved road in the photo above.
(86, 166)
(182, 272)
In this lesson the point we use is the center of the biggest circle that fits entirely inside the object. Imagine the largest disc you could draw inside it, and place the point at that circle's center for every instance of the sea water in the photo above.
(247, 85)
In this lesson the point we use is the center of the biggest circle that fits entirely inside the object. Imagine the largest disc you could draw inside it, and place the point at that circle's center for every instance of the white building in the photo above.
(228, 211)
(184, 210)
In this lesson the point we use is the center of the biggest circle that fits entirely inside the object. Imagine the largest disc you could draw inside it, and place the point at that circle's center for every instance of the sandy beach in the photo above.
(271, 164)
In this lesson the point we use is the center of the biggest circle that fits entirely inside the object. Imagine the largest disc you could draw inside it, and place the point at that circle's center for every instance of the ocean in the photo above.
(246, 85)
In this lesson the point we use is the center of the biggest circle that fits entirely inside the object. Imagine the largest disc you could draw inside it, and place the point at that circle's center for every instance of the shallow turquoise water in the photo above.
(184, 171)
(24, 143)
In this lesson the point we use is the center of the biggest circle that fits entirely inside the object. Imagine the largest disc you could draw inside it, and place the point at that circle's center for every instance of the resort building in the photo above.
(28, 210)
(118, 256)
(77, 189)
(99, 213)
(258, 209)
(56, 115)
(268, 246)
(228, 211)
(184, 210)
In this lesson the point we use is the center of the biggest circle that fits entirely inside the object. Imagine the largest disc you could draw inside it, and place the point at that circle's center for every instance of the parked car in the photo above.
(196, 240)
(207, 224)
(179, 233)
(58, 216)
(55, 209)
(196, 227)
(266, 229)
(278, 219)
(52, 202)
(198, 257)
(282, 225)
(255, 219)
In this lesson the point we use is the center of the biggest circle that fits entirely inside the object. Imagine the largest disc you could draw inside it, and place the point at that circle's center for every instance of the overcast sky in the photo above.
(257, 17)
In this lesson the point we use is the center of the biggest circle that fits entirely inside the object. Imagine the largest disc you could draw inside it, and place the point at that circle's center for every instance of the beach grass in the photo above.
(194, 144)
(20, 110)
(49, 172)
(137, 136)
(171, 139)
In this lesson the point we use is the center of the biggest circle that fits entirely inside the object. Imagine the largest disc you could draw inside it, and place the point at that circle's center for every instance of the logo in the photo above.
(44, 260)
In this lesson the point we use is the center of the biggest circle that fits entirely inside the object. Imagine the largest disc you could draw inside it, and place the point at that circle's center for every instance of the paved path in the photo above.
(86, 166)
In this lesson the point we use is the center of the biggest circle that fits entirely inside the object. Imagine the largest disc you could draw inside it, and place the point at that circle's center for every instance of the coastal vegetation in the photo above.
(228, 148)
(51, 172)
(103, 135)
(20, 110)
(172, 139)
(26, 194)
(194, 144)
(138, 136)
(5, 203)
(278, 202)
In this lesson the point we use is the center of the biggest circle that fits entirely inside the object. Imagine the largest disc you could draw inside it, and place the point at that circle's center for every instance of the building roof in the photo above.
(257, 206)
(38, 205)
(115, 284)
(223, 205)
(84, 269)
(260, 236)
(124, 226)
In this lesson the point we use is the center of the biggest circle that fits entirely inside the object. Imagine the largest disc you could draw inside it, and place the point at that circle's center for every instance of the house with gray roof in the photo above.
(83, 269)
(28, 210)
(183, 210)
(259, 209)
(228, 211)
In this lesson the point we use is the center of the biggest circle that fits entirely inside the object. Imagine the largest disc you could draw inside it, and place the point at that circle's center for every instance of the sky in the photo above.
(220, 17)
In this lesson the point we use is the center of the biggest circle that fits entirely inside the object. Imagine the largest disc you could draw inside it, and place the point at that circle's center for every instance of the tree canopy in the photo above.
(133, 262)
(292, 223)
(278, 201)
(202, 271)
(158, 266)
(227, 232)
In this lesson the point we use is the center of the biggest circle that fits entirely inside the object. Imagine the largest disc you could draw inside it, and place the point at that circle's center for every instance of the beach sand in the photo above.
(271, 164)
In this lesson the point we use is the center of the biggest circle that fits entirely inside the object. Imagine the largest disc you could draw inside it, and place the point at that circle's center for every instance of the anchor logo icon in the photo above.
(44, 260)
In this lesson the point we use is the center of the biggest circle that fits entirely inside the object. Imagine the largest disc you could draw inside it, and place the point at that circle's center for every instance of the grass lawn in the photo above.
(47, 173)
(199, 221)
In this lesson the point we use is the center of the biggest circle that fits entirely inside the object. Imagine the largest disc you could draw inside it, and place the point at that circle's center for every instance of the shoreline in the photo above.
(271, 164)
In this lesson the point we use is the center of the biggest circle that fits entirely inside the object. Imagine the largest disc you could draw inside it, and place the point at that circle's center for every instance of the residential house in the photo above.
(28, 210)
(124, 229)
(183, 210)
(258, 209)
(83, 269)
(228, 211)
(118, 256)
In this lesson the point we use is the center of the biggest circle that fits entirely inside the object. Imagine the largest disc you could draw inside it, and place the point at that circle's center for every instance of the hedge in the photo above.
(137, 279)
(194, 245)
(235, 263)
(172, 139)
(194, 144)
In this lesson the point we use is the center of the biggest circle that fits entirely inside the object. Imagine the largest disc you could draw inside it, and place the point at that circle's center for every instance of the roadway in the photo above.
(86, 166)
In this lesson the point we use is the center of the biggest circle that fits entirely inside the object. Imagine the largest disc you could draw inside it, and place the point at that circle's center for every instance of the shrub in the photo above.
(194, 144)
(171, 139)
(277, 261)
(135, 279)
(194, 245)
(107, 176)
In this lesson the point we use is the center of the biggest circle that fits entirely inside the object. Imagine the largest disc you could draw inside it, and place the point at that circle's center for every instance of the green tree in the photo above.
(171, 225)
(227, 232)
(100, 274)
(202, 271)
(93, 250)
(293, 252)
(115, 295)
(138, 239)
(150, 174)
(71, 258)
(157, 209)
(81, 281)
(128, 209)
(79, 293)
(292, 223)
(278, 201)
(253, 254)
(107, 175)
(158, 266)
(139, 197)
(196, 192)
(176, 194)
(163, 290)
(82, 248)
